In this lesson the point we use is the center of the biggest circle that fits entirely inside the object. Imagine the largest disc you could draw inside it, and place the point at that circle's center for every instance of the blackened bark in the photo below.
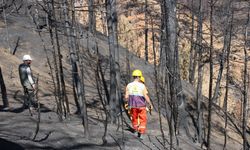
(146, 30)
(105, 85)
(102, 86)
(5, 6)
(112, 37)
(59, 108)
(38, 110)
(61, 72)
(193, 54)
(200, 74)
(84, 105)
(60, 89)
(157, 85)
(163, 39)
(164, 74)
(3, 90)
(227, 78)
(119, 94)
(173, 80)
(75, 75)
(128, 72)
(58, 93)
(246, 87)
(82, 98)
(210, 74)
(223, 54)
(92, 17)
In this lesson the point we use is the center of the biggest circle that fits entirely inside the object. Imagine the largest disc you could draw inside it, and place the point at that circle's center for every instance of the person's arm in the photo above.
(145, 93)
(126, 97)
(32, 83)
(126, 94)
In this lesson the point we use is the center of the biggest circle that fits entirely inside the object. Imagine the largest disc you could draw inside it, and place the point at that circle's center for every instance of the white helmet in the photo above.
(26, 57)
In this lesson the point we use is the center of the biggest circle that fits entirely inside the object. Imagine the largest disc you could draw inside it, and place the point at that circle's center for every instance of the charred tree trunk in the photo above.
(59, 108)
(102, 9)
(55, 78)
(163, 76)
(82, 98)
(73, 58)
(246, 87)
(146, 30)
(227, 39)
(92, 17)
(60, 91)
(163, 39)
(6, 25)
(227, 78)
(173, 82)
(193, 54)
(210, 74)
(100, 88)
(3, 90)
(112, 38)
(199, 95)
(128, 70)
(61, 72)
(119, 94)
(157, 85)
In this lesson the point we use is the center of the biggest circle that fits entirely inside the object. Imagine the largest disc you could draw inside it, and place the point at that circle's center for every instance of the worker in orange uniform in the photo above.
(142, 80)
(136, 95)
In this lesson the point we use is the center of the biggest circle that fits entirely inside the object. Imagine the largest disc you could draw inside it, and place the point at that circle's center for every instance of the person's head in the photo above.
(27, 59)
(137, 74)
(142, 79)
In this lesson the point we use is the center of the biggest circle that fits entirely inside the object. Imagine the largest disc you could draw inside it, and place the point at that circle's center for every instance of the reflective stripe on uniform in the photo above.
(141, 127)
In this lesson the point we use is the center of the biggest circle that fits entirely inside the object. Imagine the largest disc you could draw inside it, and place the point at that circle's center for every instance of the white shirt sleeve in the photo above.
(30, 76)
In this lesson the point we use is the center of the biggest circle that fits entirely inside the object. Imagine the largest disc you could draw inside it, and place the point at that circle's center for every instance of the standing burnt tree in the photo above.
(77, 82)
(146, 30)
(113, 52)
(3, 90)
(222, 55)
(246, 87)
(211, 70)
(193, 54)
(92, 17)
(58, 66)
(199, 51)
(228, 51)
(177, 117)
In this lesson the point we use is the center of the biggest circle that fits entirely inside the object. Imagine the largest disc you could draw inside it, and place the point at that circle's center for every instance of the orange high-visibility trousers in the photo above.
(139, 119)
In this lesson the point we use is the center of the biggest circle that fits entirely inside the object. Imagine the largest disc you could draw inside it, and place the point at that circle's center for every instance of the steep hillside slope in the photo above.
(17, 126)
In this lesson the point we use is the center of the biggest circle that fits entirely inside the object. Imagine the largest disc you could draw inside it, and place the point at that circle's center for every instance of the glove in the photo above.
(34, 87)
(126, 105)
(151, 107)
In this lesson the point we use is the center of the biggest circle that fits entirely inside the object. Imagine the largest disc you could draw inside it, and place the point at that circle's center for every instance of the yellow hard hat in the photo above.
(137, 73)
(142, 79)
